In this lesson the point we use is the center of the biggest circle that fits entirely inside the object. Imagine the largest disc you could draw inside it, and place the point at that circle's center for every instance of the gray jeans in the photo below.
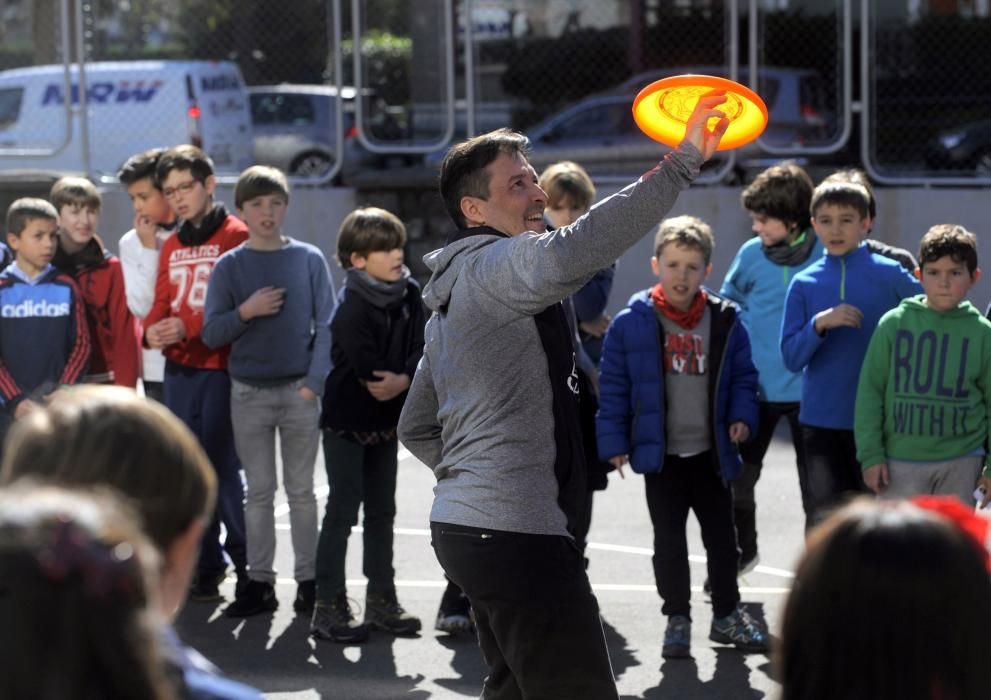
(256, 414)
(954, 477)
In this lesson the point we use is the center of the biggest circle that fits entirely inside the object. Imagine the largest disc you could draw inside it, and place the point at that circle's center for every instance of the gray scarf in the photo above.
(792, 254)
(381, 294)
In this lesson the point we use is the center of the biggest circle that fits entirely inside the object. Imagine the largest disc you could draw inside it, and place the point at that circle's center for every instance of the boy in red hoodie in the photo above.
(80, 254)
(196, 386)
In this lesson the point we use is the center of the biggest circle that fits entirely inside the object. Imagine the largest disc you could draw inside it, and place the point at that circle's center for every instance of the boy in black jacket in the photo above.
(377, 336)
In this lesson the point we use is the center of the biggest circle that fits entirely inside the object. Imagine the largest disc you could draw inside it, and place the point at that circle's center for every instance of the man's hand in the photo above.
(617, 462)
(307, 393)
(166, 332)
(842, 315)
(697, 131)
(876, 477)
(738, 432)
(24, 408)
(266, 301)
(147, 231)
(596, 328)
(389, 385)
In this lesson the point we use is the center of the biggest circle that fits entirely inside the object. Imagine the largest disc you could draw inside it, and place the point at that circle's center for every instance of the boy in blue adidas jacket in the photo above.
(679, 345)
(831, 311)
(44, 338)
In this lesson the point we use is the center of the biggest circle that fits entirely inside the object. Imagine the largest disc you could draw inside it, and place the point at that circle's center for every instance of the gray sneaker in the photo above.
(677, 638)
(334, 621)
(740, 630)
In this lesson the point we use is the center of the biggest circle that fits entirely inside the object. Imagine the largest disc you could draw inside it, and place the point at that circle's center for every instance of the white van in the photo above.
(131, 106)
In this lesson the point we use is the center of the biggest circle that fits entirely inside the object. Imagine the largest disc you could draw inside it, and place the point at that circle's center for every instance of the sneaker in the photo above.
(454, 615)
(333, 620)
(383, 612)
(740, 630)
(746, 566)
(206, 589)
(306, 594)
(256, 597)
(677, 638)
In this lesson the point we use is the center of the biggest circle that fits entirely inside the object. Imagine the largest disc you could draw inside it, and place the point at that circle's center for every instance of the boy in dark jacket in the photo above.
(44, 338)
(377, 342)
(678, 344)
(113, 331)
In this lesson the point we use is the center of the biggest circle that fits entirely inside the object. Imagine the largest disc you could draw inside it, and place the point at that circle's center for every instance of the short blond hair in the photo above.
(688, 231)
(567, 179)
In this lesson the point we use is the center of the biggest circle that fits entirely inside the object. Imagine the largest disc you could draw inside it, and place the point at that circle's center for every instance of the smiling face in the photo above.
(771, 230)
(149, 202)
(264, 215)
(515, 203)
(681, 270)
(840, 228)
(77, 225)
(35, 246)
(946, 282)
(383, 265)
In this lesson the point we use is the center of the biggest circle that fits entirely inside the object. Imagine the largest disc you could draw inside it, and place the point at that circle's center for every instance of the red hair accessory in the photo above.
(963, 517)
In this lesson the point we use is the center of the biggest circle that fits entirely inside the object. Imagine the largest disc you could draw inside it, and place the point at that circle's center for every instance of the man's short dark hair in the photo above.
(185, 157)
(462, 174)
(952, 240)
(140, 166)
(27, 209)
(783, 192)
(257, 181)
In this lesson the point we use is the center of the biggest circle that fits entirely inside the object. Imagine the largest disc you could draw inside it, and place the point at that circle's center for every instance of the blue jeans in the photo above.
(201, 398)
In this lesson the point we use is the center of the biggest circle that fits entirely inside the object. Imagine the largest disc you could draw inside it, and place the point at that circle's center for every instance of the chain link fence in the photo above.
(430, 72)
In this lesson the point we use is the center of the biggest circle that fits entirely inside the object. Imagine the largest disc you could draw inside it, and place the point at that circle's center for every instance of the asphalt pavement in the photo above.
(274, 653)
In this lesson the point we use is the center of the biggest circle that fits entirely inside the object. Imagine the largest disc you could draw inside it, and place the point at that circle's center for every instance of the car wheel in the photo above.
(982, 164)
(311, 164)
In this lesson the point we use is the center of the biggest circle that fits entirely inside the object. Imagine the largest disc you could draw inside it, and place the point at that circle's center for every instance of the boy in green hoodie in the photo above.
(924, 397)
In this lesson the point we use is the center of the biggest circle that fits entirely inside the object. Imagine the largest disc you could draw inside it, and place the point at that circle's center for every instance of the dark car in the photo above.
(966, 147)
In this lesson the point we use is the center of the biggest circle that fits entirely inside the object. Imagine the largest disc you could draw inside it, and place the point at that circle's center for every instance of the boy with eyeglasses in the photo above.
(196, 385)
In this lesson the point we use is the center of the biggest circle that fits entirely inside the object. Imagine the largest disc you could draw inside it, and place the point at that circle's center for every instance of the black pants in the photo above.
(537, 619)
(833, 470)
(752, 452)
(692, 483)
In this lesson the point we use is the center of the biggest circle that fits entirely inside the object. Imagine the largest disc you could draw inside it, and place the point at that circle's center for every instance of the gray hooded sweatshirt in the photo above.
(479, 411)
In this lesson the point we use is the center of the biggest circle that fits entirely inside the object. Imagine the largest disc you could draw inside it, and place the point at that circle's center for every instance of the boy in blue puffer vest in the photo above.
(678, 344)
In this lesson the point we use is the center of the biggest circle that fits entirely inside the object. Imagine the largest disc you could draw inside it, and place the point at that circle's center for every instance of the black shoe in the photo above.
(333, 620)
(383, 612)
(306, 595)
(257, 597)
(242, 582)
(206, 588)
(454, 615)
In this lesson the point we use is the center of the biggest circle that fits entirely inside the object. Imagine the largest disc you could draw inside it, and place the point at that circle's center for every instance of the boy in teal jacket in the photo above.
(923, 399)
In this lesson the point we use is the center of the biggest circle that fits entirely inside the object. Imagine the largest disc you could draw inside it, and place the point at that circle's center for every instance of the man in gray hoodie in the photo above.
(493, 409)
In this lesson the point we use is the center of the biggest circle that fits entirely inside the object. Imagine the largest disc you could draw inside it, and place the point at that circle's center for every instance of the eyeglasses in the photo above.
(183, 188)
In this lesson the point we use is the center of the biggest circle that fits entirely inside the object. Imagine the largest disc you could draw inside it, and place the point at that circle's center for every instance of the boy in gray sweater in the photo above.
(493, 408)
(280, 357)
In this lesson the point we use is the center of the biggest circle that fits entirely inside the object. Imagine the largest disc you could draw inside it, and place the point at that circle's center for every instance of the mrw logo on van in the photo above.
(104, 92)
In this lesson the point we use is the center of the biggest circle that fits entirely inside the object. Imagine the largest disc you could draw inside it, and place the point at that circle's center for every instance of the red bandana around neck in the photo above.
(686, 319)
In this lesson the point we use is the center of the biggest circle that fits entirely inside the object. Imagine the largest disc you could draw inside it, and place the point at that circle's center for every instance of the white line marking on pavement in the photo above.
(603, 587)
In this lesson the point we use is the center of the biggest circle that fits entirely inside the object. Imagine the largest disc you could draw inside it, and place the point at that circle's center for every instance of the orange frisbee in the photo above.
(662, 109)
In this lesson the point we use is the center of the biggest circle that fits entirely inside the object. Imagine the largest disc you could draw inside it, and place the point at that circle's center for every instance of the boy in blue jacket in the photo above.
(689, 455)
(831, 310)
(784, 245)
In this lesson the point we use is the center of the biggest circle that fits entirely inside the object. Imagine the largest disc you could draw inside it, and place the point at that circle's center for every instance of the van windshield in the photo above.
(10, 105)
